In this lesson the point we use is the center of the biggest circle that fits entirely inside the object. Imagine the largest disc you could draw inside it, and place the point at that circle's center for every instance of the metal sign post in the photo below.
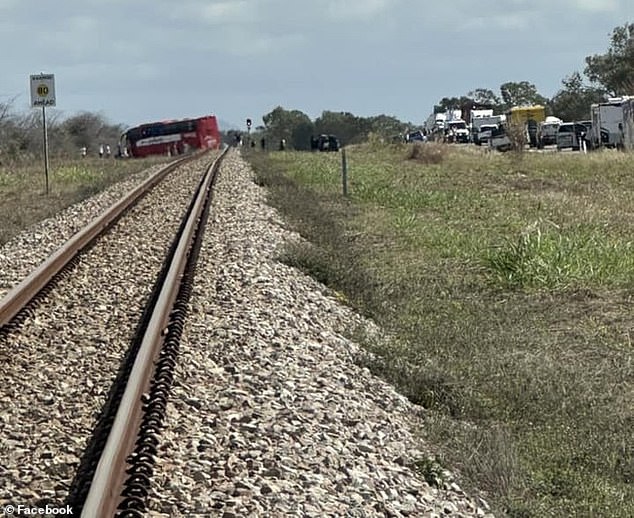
(45, 147)
(43, 94)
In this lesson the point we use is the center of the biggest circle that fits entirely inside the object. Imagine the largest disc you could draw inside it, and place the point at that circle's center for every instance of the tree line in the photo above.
(296, 128)
(606, 75)
(21, 134)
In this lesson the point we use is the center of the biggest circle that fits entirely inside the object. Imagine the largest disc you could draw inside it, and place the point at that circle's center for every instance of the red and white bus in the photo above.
(173, 137)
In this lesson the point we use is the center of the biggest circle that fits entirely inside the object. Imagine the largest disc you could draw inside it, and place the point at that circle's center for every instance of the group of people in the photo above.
(104, 151)
(238, 141)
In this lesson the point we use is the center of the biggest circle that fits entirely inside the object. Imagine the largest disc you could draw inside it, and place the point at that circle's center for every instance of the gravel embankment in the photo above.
(270, 415)
(20, 255)
(58, 365)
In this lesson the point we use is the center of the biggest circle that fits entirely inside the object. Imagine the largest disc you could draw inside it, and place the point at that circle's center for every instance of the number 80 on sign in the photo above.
(43, 90)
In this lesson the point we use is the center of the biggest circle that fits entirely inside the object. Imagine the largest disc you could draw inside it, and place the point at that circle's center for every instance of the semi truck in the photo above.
(608, 123)
(628, 124)
(527, 119)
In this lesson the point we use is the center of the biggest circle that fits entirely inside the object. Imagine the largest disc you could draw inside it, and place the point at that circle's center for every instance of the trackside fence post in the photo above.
(344, 171)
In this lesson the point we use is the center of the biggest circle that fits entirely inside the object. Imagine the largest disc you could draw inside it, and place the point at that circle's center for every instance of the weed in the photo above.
(543, 257)
(432, 471)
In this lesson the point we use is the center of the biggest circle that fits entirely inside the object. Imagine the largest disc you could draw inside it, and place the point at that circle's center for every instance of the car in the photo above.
(415, 136)
(325, 143)
(571, 135)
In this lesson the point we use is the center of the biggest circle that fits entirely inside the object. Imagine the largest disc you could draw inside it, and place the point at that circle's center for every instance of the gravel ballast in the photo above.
(270, 414)
(59, 363)
(23, 253)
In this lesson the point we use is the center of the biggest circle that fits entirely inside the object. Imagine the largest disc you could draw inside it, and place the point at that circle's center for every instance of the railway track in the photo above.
(18, 298)
(269, 412)
(61, 371)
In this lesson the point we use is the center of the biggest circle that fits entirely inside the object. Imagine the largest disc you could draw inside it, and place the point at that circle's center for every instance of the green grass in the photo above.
(544, 256)
(507, 283)
(23, 198)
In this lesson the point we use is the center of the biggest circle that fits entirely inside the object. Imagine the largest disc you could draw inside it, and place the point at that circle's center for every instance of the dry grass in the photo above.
(428, 152)
(23, 198)
(517, 135)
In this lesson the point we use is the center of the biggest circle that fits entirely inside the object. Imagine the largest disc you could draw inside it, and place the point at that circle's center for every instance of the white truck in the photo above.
(456, 131)
(474, 124)
(608, 122)
(453, 114)
(547, 131)
(485, 133)
(435, 126)
(478, 122)
(455, 127)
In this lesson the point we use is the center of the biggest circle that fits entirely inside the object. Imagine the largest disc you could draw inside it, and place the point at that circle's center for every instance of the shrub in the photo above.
(428, 152)
(517, 135)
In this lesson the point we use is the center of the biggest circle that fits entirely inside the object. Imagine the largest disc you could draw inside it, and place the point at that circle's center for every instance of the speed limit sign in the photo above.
(43, 90)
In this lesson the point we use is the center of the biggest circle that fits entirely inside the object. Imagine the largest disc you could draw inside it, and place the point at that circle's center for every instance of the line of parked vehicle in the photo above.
(611, 124)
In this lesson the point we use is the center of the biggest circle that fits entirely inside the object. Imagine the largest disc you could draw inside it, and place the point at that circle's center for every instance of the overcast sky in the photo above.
(137, 61)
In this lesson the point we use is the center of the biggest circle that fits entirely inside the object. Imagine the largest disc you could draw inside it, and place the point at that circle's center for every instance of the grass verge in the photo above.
(23, 198)
(507, 285)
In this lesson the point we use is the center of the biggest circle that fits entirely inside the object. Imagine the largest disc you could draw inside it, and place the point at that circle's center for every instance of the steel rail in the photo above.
(20, 295)
(105, 490)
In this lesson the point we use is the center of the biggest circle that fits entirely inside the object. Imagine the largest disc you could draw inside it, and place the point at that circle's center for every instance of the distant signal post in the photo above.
(43, 94)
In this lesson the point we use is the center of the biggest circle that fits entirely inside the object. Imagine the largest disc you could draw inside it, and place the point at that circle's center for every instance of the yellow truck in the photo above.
(529, 117)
